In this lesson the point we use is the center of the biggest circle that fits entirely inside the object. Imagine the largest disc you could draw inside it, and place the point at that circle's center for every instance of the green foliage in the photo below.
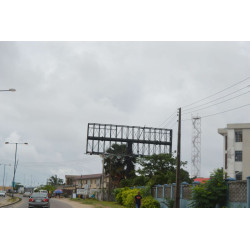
(170, 203)
(118, 164)
(126, 197)
(54, 181)
(161, 169)
(146, 191)
(150, 202)
(133, 182)
(211, 193)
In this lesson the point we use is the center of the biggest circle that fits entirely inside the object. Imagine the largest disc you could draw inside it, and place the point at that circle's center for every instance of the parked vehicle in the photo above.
(27, 194)
(39, 200)
(2, 193)
(43, 191)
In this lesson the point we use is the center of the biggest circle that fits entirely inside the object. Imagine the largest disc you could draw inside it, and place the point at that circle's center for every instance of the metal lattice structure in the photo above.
(141, 141)
(196, 147)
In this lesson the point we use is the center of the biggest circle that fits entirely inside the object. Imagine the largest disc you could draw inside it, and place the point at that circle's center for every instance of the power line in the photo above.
(218, 98)
(237, 83)
(220, 112)
(226, 110)
(167, 119)
(216, 103)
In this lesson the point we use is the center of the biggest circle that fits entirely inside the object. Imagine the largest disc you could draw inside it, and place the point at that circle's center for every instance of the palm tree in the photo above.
(54, 181)
(118, 163)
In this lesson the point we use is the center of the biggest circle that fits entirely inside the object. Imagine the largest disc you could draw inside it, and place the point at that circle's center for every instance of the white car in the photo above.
(27, 194)
(2, 193)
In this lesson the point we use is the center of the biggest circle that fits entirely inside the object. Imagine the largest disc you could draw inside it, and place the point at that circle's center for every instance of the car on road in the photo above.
(39, 200)
(2, 193)
(27, 194)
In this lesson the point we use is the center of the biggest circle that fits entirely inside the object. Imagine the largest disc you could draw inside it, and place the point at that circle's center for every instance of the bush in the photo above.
(150, 202)
(118, 194)
(146, 191)
(170, 203)
(126, 197)
(211, 193)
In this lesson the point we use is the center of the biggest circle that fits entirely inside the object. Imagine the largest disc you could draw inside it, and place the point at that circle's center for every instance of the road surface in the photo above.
(54, 203)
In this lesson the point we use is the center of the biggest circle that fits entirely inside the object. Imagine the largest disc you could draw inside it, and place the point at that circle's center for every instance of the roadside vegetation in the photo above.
(98, 204)
(212, 193)
(126, 197)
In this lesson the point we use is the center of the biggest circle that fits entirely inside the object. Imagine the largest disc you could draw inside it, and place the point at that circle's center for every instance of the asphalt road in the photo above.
(54, 203)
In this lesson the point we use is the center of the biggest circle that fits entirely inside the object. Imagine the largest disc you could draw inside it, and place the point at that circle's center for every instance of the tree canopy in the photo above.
(118, 163)
(55, 181)
(161, 169)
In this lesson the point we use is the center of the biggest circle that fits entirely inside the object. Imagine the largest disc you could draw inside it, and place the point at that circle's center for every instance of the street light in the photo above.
(4, 173)
(12, 90)
(15, 166)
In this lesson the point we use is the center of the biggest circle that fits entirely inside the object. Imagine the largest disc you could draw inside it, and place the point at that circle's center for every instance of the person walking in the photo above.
(138, 200)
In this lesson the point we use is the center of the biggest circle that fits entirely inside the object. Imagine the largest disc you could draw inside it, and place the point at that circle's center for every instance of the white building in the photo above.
(236, 150)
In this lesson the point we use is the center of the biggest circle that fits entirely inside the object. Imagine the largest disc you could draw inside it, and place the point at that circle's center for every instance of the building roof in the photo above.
(84, 177)
(223, 131)
(202, 180)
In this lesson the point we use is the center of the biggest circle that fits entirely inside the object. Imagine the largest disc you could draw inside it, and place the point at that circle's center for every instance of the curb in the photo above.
(19, 199)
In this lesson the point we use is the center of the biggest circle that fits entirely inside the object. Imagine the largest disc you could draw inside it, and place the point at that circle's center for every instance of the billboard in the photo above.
(141, 141)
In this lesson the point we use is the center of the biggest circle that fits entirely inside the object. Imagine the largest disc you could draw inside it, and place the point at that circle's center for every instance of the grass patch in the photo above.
(98, 204)
(12, 199)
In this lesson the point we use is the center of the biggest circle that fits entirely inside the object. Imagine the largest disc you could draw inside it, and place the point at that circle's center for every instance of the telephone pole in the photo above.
(178, 166)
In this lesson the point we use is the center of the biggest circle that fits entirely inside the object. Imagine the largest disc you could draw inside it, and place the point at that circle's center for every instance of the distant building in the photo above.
(82, 181)
(91, 184)
(201, 180)
(236, 153)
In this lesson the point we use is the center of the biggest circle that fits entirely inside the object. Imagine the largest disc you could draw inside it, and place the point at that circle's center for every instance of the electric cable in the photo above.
(185, 113)
(235, 84)
(166, 119)
(219, 112)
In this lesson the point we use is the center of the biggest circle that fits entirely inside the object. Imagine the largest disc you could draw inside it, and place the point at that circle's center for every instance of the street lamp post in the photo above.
(12, 90)
(15, 165)
(4, 173)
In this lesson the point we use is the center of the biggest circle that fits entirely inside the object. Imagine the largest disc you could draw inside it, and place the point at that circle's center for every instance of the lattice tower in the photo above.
(196, 147)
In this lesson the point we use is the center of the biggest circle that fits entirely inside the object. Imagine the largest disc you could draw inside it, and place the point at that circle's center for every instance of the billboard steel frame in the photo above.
(141, 141)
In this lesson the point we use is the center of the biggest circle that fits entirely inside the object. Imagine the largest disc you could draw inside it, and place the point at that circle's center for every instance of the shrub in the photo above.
(146, 191)
(170, 203)
(128, 197)
(211, 193)
(150, 202)
(118, 194)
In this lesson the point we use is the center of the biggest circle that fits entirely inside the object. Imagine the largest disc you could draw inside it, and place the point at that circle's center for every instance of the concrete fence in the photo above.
(238, 194)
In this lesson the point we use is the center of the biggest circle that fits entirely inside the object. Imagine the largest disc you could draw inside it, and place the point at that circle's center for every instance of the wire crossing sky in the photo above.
(63, 86)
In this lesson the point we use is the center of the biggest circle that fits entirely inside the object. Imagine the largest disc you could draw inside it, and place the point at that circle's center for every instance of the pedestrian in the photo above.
(138, 200)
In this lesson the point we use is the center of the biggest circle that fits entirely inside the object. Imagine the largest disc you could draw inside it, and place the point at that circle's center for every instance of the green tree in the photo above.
(211, 193)
(161, 169)
(118, 163)
(55, 181)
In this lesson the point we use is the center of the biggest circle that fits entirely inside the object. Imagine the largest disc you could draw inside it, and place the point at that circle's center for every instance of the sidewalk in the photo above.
(7, 200)
(74, 204)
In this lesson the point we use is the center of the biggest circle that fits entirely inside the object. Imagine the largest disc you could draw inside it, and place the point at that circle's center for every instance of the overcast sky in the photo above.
(62, 86)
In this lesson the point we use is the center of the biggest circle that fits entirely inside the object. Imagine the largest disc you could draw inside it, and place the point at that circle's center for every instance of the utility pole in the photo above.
(102, 187)
(109, 194)
(178, 167)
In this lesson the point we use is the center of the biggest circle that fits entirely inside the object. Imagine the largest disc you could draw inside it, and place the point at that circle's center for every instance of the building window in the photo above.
(225, 142)
(238, 155)
(238, 175)
(238, 136)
